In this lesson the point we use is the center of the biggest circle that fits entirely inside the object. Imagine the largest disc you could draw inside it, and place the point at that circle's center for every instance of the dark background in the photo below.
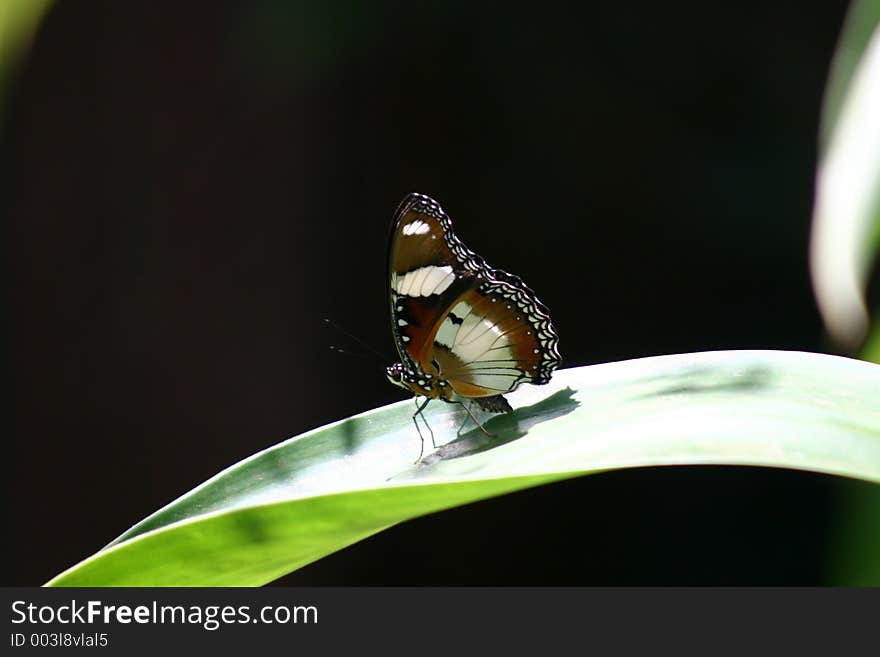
(189, 188)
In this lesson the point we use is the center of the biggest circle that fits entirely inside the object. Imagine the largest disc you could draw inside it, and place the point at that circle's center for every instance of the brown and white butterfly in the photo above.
(462, 329)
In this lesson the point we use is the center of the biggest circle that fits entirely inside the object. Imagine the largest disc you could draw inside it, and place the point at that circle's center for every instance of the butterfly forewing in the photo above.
(424, 277)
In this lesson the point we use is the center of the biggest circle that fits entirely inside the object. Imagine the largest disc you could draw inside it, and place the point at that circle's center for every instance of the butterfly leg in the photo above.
(415, 416)
(476, 421)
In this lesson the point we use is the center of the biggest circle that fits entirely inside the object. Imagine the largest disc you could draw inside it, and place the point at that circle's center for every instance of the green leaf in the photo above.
(846, 217)
(319, 492)
(845, 240)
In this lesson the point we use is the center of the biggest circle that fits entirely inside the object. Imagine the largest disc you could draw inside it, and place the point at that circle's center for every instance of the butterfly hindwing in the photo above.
(489, 343)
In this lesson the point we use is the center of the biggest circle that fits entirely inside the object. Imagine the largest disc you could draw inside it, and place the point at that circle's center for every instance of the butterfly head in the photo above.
(418, 382)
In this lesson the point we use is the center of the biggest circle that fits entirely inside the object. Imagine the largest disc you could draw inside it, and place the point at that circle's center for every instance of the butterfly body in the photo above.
(463, 330)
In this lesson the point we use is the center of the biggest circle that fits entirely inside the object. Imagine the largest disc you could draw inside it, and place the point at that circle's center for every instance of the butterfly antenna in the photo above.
(375, 352)
(346, 352)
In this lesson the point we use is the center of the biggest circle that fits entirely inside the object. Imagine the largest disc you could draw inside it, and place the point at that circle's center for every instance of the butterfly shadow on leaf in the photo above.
(504, 428)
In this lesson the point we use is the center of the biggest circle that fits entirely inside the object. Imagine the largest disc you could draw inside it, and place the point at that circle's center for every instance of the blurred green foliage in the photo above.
(19, 20)
(855, 550)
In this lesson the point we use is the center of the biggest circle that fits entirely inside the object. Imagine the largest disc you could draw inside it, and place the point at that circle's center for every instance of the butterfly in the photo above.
(462, 329)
